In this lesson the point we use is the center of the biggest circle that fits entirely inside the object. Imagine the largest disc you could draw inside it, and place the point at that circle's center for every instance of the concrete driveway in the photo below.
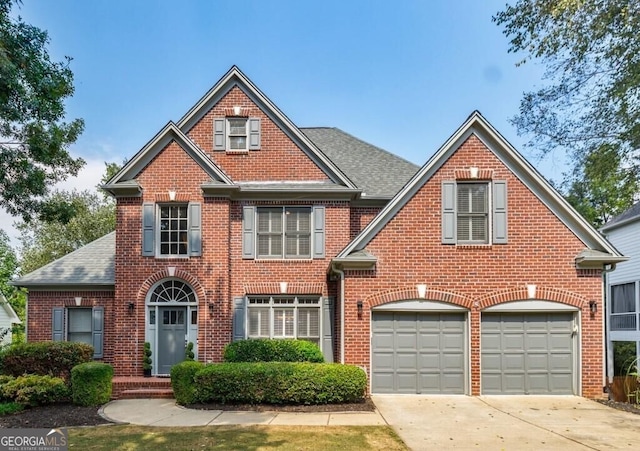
(508, 422)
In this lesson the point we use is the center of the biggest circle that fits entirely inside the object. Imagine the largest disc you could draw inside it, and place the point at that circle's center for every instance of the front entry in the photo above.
(172, 332)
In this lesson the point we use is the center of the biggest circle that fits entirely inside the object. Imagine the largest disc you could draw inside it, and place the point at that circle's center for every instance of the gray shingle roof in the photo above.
(630, 215)
(374, 170)
(92, 264)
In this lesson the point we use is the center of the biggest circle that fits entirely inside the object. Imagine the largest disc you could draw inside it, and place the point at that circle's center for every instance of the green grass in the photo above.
(253, 438)
(7, 408)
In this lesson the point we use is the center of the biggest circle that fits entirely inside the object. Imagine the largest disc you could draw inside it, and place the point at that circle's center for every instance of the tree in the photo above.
(600, 187)
(590, 105)
(15, 297)
(33, 135)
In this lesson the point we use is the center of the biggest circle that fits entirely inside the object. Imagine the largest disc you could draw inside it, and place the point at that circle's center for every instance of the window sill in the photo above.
(284, 260)
(238, 151)
(172, 257)
(473, 246)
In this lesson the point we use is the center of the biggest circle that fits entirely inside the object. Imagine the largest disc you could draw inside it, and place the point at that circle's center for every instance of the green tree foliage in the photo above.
(15, 297)
(601, 187)
(45, 241)
(34, 137)
(589, 105)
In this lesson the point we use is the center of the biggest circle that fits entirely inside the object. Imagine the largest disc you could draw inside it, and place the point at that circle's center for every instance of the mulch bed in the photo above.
(69, 415)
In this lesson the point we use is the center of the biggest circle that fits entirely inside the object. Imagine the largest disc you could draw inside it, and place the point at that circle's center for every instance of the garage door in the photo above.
(527, 353)
(418, 352)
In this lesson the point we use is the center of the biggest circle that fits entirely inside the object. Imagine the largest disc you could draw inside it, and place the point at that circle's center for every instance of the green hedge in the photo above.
(183, 381)
(280, 383)
(54, 358)
(91, 383)
(35, 390)
(265, 350)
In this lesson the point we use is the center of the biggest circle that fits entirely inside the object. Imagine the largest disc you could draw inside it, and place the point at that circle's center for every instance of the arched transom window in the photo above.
(172, 291)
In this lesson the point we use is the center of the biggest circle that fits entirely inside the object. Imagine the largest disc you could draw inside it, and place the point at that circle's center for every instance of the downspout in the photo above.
(340, 272)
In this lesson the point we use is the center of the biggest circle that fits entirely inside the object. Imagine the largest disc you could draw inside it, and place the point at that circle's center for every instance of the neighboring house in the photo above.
(468, 275)
(622, 292)
(8, 318)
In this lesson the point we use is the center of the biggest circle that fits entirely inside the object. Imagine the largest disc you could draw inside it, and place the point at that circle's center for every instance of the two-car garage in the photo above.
(526, 347)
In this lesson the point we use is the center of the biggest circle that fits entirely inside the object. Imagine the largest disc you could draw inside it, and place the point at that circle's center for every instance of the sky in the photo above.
(401, 75)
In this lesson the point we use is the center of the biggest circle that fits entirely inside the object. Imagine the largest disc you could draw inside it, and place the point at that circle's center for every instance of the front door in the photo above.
(171, 337)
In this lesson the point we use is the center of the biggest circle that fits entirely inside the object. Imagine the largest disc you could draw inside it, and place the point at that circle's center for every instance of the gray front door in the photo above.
(416, 352)
(171, 337)
(528, 353)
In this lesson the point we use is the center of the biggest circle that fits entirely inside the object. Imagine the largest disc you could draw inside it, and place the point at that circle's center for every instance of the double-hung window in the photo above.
(236, 134)
(284, 232)
(171, 230)
(80, 324)
(284, 317)
(474, 212)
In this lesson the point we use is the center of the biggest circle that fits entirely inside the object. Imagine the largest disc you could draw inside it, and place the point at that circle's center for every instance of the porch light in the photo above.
(360, 306)
(593, 307)
(531, 291)
(211, 307)
(78, 301)
(422, 290)
(131, 306)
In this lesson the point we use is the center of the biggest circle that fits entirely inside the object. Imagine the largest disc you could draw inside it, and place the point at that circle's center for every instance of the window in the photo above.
(171, 230)
(474, 212)
(623, 307)
(284, 317)
(284, 231)
(236, 134)
(80, 324)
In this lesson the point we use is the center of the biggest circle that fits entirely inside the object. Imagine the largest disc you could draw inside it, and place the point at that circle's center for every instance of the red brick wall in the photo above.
(540, 251)
(279, 158)
(42, 303)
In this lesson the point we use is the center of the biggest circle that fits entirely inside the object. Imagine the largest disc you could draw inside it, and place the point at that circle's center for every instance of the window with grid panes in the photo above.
(472, 213)
(284, 231)
(174, 232)
(284, 317)
(237, 135)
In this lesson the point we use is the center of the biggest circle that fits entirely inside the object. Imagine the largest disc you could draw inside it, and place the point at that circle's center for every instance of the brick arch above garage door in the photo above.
(542, 294)
(410, 292)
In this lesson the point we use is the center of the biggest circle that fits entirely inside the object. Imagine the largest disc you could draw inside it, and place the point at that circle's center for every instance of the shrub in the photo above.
(188, 352)
(91, 383)
(54, 358)
(146, 357)
(265, 350)
(35, 390)
(4, 379)
(280, 383)
(7, 408)
(183, 381)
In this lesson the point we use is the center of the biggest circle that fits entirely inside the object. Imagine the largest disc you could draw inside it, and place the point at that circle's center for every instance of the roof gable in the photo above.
(9, 312)
(234, 78)
(477, 125)
(124, 181)
(627, 217)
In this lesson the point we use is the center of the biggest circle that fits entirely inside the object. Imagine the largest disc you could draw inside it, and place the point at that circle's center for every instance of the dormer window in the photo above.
(236, 134)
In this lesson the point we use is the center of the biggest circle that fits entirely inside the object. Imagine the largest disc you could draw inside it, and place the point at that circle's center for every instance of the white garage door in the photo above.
(415, 352)
(528, 353)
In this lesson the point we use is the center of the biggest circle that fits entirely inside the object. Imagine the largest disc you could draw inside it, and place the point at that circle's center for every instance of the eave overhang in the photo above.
(361, 260)
(128, 188)
(592, 259)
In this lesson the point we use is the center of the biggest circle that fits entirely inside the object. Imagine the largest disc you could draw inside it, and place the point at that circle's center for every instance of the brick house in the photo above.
(468, 275)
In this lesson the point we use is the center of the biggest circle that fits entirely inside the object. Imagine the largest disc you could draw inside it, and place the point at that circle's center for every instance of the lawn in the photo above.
(258, 438)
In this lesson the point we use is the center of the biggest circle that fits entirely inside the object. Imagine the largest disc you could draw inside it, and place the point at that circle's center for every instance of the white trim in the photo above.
(419, 305)
(11, 313)
(531, 306)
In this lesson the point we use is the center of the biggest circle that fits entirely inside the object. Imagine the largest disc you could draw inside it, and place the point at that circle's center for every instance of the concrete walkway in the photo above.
(165, 412)
(565, 423)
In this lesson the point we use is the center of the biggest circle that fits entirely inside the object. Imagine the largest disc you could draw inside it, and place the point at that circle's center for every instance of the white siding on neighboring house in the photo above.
(623, 326)
(8, 317)
(627, 240)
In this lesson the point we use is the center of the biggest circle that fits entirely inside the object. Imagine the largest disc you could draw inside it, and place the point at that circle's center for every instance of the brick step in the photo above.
(138, 393)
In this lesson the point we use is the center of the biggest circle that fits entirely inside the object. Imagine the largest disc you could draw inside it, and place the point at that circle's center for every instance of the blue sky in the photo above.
(401, 75)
